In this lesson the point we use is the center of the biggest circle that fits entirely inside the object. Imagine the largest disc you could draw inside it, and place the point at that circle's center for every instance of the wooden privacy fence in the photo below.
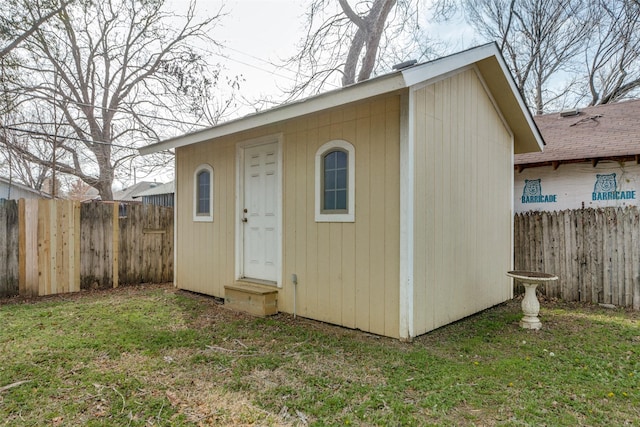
(594, 252)
(135, 248)
(8, 248)
(57, 246)
(48, 249)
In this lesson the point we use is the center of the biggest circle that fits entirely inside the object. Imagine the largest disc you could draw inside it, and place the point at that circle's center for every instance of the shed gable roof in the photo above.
(610, 131)
(486, 58)
(166, 188)
(128, 194)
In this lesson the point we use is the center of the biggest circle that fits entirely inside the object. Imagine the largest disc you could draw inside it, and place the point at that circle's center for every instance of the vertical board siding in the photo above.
(462, 208)
(347, 272)
(206, 250)
(9, 282)
(594, 253)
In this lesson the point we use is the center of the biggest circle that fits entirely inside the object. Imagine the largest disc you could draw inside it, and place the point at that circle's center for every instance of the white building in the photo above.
(591, 160)
(12, 190)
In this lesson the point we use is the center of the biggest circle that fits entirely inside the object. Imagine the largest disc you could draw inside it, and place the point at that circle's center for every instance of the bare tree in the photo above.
(16, 168)
(79, 190)
(19, 19)
(353, 41)
(612, 56)
(540, 39)
(367, 37)
(104, 78)
(36, 13)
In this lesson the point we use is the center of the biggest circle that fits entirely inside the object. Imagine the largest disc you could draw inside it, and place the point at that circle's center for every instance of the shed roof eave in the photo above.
(488, 59)
(526, 164)
(500, 83)
(377, 86)
(527, 136)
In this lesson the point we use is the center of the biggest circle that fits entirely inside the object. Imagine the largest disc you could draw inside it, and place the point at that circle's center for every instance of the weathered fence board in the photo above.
(135, 248)
(595, 253)
(56, 246)
(146, 244)
(9, 283)
(96, 245)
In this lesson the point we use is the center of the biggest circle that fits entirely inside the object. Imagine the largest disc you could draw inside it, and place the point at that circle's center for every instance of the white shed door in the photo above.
(260, 212)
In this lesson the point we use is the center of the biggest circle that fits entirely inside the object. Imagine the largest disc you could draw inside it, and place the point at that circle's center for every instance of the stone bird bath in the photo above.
(530, 303)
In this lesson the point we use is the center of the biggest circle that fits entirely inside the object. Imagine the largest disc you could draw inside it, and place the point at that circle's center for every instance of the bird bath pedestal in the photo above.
(530, 303)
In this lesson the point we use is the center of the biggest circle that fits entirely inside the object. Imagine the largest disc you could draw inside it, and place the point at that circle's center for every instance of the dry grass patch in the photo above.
(151, 355)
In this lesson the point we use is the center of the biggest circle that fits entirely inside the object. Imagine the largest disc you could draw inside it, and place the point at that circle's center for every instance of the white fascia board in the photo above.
(520, 100)
(420, 73)
(409, 77)
(357, 92)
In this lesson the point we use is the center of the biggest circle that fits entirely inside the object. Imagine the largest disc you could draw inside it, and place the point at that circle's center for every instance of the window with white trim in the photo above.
(203, 193)
(335, 182)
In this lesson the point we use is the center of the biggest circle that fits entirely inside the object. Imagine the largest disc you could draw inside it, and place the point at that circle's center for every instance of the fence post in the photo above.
(116, 242)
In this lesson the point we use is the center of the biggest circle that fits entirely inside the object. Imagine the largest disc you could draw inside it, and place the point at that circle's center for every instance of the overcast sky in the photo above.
(260, 34)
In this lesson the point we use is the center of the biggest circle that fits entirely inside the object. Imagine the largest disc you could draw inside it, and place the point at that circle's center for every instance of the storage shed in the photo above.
(385, 206)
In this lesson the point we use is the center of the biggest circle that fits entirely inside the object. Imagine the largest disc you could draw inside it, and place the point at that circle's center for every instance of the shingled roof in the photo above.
(603, 132)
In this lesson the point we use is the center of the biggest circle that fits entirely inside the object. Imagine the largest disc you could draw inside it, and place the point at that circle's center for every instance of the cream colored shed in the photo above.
(384, 206)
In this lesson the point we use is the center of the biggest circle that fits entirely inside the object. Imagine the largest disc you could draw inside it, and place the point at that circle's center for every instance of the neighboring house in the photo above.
(385, 206)
(125, 196)
(159, 195)
(11, 190)
(591, 160)
(128, 194)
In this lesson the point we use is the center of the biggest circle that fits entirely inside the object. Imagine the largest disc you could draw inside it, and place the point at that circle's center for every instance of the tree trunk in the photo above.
(380, 11)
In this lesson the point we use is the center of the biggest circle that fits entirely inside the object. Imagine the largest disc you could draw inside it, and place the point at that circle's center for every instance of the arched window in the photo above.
(335, 182)
(203, 193)
(335, 192)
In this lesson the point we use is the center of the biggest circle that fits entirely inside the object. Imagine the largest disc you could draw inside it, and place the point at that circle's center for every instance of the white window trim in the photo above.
(196, 217)
(351, 208)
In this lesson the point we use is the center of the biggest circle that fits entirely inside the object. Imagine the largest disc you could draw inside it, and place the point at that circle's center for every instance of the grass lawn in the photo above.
(152, 355)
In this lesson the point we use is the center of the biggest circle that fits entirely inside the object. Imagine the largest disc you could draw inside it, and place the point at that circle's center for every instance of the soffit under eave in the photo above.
(381, 86)
(527, 137)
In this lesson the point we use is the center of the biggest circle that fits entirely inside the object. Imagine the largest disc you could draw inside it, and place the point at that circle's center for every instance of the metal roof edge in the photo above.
(166, 188)
(373, 87)
(397, 80)
(519, 98)
(428, 70)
